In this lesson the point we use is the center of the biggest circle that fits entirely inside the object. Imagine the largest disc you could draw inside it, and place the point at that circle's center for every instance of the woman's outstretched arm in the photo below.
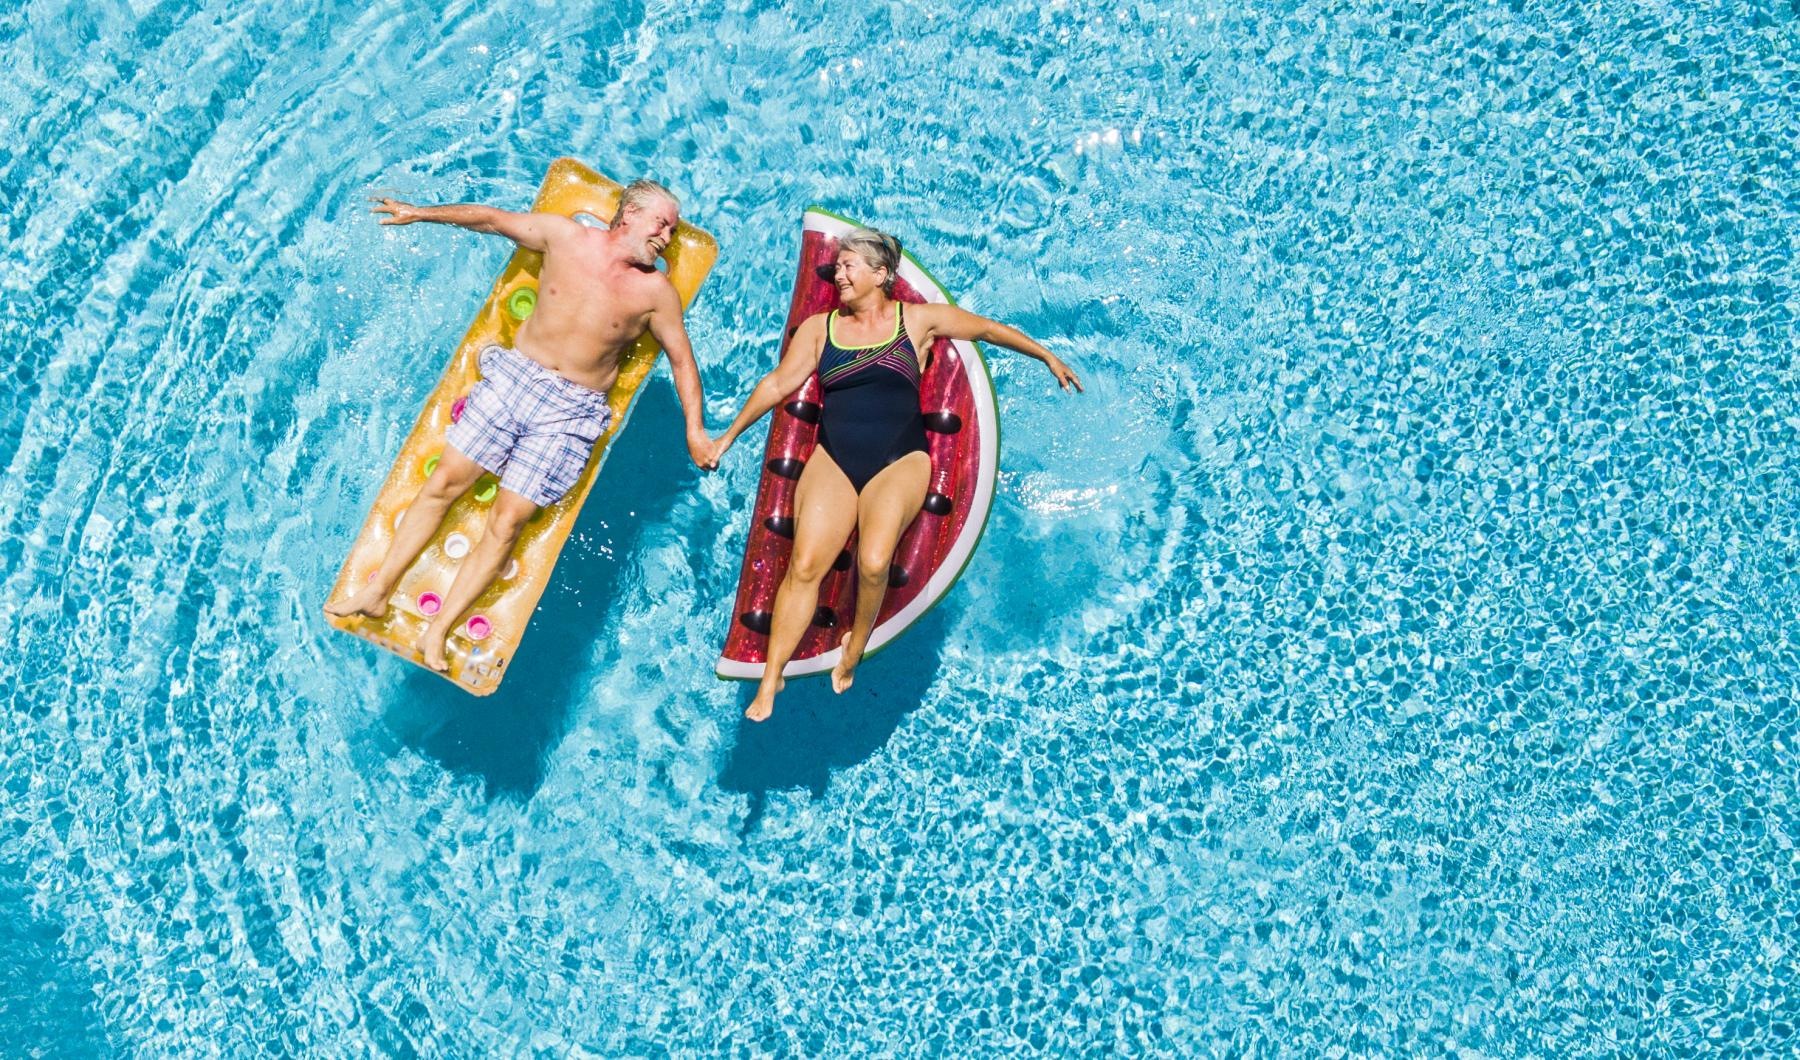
(800, 360)
(952, 322)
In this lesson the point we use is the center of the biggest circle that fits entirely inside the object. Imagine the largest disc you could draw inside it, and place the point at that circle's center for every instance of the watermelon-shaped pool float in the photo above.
(963, 432)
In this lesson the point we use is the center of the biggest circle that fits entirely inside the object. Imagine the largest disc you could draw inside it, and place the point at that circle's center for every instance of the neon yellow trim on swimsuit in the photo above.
(831, 331)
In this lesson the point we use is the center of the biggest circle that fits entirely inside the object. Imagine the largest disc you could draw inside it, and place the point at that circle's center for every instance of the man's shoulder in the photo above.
(558, 226)
(657, 284)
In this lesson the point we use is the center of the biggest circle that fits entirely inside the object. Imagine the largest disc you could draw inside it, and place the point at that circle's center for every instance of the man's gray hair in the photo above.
(639, 193)
(879, 249)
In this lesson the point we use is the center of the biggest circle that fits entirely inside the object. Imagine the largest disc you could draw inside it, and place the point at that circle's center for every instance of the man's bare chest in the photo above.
(593, 290)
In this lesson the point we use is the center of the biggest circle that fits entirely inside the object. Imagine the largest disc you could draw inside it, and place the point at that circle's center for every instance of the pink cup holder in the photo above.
(479, 627)
(456, 409)
(430, 603)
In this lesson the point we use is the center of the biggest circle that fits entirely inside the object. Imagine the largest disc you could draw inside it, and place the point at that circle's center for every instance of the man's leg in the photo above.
(454, 475)
(478, 571)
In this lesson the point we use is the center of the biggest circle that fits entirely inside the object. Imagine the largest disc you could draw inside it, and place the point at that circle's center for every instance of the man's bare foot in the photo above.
(371, 601)
(762, 706)
(432, 644)
(845, 671)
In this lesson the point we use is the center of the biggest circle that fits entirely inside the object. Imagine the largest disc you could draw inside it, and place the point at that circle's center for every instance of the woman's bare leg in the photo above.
(824, 515)
(889, 504)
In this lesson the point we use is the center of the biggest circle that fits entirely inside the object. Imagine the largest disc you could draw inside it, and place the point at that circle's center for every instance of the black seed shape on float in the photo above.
(826, 617)
(938, 504)
(756, 621)
(842, 562)
(804, 411)
(826, 272)
(783, 526)
(943, 422)
(786, 466)
(897, 576)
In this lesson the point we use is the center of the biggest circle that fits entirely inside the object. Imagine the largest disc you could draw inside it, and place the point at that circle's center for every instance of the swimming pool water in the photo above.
(1393, 651)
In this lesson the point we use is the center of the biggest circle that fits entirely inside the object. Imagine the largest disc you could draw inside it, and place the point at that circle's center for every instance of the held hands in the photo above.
(1064, 377)
(398, 213)
(718, 446)
(701, 450)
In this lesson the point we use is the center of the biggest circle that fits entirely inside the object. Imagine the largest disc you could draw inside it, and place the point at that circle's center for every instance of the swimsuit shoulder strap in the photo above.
(831, 332)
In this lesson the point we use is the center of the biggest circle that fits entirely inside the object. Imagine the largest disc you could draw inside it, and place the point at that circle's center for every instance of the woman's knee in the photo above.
(807, 570)
(872, 564)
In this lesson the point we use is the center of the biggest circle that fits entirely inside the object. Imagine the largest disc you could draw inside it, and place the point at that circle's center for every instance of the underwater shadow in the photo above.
(814, 730)
(505, 738)
(50, 1004)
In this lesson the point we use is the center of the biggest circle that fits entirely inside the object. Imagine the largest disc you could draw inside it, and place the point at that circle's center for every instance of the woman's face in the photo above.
(856, 277)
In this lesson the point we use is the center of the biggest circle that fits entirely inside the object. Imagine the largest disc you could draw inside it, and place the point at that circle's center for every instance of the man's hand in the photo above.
(398, 213)
(700, 450)
(720, 446)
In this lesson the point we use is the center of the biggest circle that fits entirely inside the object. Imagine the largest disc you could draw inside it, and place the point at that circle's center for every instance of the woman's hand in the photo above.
(1064, 377)
(719, 447)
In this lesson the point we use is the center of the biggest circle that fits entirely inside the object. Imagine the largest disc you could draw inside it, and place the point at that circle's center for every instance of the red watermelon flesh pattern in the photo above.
(955, 458)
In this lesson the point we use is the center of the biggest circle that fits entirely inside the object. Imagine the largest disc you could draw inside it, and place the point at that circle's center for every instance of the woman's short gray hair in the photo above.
(640, 193)
(879, 249)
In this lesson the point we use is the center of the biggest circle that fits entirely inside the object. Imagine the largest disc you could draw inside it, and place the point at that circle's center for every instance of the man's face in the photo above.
(648, 230)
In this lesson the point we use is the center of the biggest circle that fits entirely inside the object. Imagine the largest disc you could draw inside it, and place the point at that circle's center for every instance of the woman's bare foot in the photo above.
(432, 643)
(760, 707)
(844, 673)
(371, 601)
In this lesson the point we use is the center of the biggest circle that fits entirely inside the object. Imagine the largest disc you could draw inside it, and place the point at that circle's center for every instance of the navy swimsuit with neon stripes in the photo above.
(871, 414)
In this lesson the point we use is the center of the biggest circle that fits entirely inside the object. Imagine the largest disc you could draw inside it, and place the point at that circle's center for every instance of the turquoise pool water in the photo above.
(1392, 652)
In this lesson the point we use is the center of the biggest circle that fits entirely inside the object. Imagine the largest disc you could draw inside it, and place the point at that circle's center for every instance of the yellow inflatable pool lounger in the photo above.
(482, 647)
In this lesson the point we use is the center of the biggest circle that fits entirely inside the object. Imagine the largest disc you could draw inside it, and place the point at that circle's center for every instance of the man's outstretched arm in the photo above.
(671, 334)
(533, 231)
